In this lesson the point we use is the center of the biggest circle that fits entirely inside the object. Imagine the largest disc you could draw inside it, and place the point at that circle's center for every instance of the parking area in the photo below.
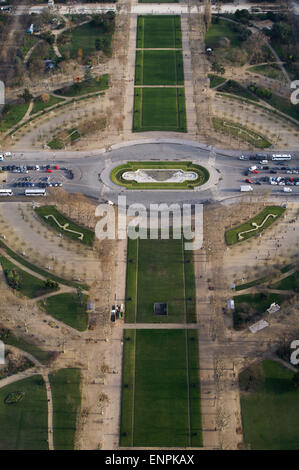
(274, 173)
(18, 178)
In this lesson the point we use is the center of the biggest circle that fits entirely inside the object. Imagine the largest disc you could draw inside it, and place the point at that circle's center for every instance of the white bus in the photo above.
(35, 192)
(281, 157)
(6, 192)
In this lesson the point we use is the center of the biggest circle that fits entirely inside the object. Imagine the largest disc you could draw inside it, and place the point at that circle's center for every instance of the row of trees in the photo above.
(243, 33)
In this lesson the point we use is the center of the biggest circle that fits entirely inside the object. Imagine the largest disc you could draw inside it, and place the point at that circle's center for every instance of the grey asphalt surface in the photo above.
(88, 169)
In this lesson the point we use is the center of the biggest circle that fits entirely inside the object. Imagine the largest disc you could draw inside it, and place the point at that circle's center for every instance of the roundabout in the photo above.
(159, 175)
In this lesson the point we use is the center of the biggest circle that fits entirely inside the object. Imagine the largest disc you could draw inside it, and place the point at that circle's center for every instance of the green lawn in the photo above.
(68, 309)
(159, 68)
(270, 414)
(217, 31)
(24, 425)
(83, 41)
(159, 109)
(215, 80)
(40, 106)
(66, 393)
(56, 144)
(31, 286)
(9, 338)
(241, 132)
(82, 88)
(280, 103)
(160, 271)
(291, 69)
(158, 32)
(253, 283)
(291, 282)
(131, 280)
(269, 70)
(284, 105)
(49, 211)
(46, 51)
(161, 389)
(11, 115)
(39, 270)
(288, 283)
(250, 308)
(232, 237)
(190, 289)
(116, 175)
(28, 42)
(127, 396)
(236, 89)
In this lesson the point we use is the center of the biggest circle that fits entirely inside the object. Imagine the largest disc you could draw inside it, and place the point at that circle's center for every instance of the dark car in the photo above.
(273, 172)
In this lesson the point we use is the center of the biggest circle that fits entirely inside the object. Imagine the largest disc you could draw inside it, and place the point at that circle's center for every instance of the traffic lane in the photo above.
(147, 198)
(85, 189)
(158, 152)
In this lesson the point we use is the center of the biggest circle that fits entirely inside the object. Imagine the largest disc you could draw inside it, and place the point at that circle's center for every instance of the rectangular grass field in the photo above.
(160, 389)
(270, 413)
(68, 308)
(65, 385)
(24, 425)
(153, 67)
(159, 32)
(159, 109)
(86, 39)
(159, 271)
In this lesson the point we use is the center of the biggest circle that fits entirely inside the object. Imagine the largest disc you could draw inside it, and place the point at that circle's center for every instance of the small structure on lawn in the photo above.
(90, 306)
(273, 308)
(160, 308)
(260, 325)
(30, 30)
(50, 64)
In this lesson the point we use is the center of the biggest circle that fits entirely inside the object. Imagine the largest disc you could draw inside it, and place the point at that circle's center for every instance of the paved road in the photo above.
(92, 170)
(141, 9)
